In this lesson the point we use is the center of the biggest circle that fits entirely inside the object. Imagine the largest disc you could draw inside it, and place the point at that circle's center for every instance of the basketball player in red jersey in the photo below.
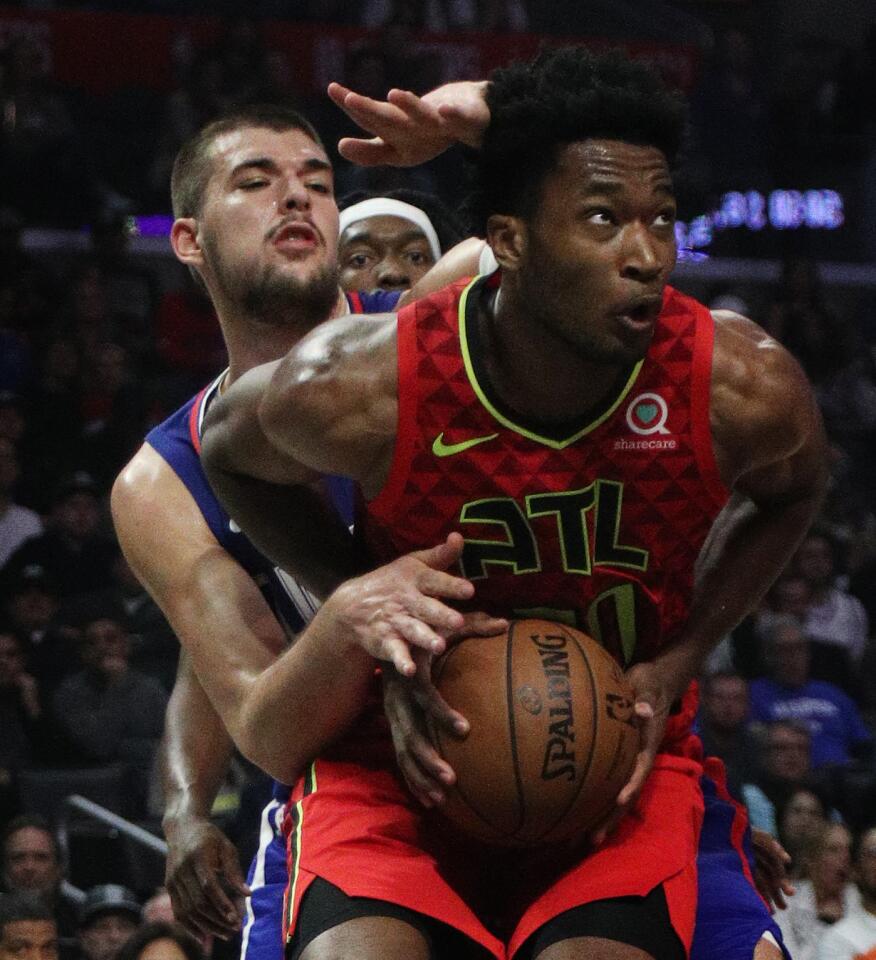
(594, 434)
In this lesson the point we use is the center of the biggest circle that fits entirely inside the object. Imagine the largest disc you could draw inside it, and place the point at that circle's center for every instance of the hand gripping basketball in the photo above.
(396, 607)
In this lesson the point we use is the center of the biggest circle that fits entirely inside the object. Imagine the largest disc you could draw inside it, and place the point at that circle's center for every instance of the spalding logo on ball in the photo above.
(553, 737)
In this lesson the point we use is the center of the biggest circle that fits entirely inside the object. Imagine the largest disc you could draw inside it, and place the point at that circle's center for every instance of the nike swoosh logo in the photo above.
(442, 449)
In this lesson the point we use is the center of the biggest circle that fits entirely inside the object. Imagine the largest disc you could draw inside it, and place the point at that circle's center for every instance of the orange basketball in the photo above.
(553, 737)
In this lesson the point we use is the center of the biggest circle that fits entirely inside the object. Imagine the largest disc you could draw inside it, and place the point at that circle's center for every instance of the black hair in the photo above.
(192, 166)
(23, 905)
(160, 930)
(34, 821)
(564, 96)
(447, 224)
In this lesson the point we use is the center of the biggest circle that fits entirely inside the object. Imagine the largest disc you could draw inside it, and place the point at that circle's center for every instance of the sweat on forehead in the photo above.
(193, 164)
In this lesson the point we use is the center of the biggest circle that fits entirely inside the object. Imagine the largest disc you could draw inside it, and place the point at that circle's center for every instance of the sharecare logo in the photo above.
(647, 414)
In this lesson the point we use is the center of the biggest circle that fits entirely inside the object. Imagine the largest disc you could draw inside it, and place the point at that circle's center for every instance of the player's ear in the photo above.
(507, 236)
(185, 241)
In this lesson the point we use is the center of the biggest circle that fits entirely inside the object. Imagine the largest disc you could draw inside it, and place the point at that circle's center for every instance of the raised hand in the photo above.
(409, 130)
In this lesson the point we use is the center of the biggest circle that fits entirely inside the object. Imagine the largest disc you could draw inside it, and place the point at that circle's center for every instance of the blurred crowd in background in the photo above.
(100, 340)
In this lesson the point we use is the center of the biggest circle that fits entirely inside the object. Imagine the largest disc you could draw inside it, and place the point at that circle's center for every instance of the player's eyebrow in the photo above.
(268, 165)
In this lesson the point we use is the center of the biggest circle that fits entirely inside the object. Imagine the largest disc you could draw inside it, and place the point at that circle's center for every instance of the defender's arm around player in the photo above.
(266, 169)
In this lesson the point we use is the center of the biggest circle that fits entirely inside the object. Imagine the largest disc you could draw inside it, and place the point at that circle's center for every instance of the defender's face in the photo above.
(600, 247)
(383, 253)
(269, 212)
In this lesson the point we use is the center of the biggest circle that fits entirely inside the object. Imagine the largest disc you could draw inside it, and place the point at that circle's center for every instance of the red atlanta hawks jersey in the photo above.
(596, 523)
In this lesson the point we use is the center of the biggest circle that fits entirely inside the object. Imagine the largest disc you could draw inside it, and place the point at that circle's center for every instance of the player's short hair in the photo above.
(564, 96)
(192, 166)
(23, 905)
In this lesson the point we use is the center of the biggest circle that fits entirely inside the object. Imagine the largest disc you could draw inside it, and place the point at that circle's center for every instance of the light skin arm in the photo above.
(203, 873)
(280, 713)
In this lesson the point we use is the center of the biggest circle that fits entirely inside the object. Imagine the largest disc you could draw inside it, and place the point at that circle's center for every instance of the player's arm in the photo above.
(203, 873)
(274, 497)
(770, 447)
(329, 406)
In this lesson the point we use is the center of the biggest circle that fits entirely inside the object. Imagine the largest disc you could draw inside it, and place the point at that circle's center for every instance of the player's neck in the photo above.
(533, 370)
(251, 343)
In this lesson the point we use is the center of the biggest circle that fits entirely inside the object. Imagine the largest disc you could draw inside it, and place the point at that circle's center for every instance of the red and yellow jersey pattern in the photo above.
(598, 522)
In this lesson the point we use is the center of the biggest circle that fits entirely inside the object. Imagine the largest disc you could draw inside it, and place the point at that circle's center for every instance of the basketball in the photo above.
(553, 737)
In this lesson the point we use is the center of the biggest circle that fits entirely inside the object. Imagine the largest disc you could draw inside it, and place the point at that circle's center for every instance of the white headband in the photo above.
(384, 207)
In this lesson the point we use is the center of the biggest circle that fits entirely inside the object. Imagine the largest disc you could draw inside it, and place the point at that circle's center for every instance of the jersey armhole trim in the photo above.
(700, 402)
(406, 425)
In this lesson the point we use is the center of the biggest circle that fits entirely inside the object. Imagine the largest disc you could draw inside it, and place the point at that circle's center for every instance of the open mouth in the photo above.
(640, 313)
(295, 236)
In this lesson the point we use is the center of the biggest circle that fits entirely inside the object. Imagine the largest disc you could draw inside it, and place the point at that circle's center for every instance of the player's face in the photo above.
(383, 253)
(269, 223)
(600, 247)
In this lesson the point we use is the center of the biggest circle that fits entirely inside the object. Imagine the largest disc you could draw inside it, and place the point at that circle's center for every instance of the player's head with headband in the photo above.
(256, 219)
(573, 188)
(389, 241)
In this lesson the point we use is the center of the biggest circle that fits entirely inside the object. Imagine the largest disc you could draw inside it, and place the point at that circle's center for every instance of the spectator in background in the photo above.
(835, 728)
(31, 604)
(188, 341)
(154, 646)
(115, 410)
(21, 721)
(785, 766)
(799, 319)
(854, 937)
(32, 865)
(27, 929)
(45, 175)
(827, 895)
(51, 445)
(17, 523)
(835, 621)
(723, 726)
(161, 941)
(72, 551)
(12, 420)
(108, 712)
(109, 917)
(800, 820)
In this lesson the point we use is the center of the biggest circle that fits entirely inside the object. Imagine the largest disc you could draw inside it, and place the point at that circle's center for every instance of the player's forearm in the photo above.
(747, 550)
(194, 754)
(305, 700)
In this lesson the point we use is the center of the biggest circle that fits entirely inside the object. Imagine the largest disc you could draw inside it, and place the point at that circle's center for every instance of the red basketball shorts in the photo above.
(358, 828)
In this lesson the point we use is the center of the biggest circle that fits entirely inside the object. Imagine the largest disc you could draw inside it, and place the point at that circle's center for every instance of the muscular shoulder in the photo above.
(332, 402)
(763, 410)
(157, 521)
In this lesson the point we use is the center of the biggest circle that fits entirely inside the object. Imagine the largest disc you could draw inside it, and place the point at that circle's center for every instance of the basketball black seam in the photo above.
(512, 730)
(460, 792)
(589, 763)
